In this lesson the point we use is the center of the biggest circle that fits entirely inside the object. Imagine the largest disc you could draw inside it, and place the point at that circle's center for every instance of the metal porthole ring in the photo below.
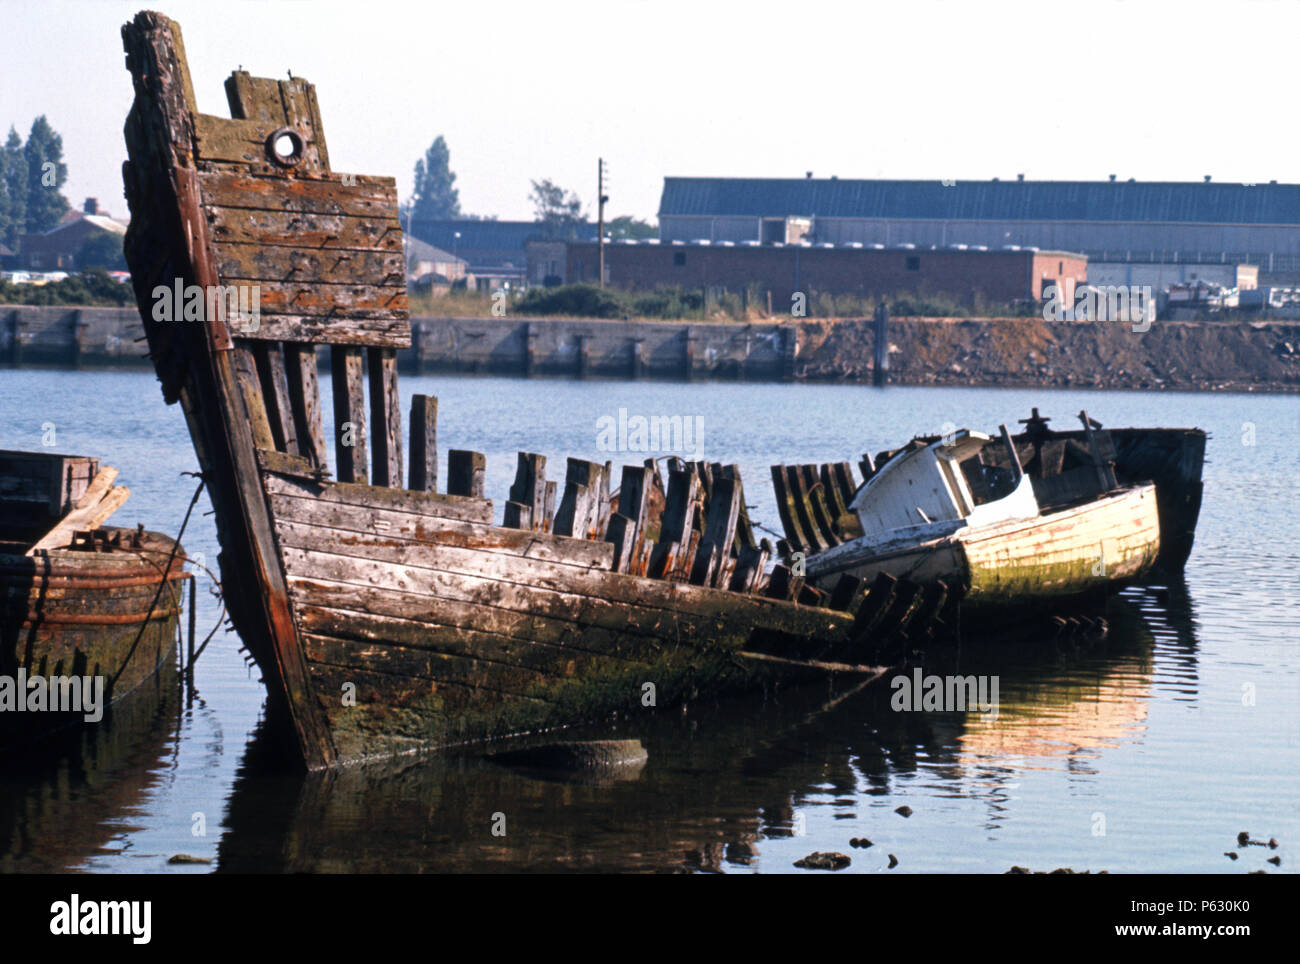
(295, 139)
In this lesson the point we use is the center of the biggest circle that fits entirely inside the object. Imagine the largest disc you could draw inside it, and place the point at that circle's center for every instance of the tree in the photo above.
(101, 250)
(626, 226)
(557, 210)
(13, 190)
(46, 173)
(435, 193)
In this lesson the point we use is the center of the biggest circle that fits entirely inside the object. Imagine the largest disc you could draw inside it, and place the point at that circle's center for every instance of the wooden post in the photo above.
(424, 443)
(272, 376)
(304, 399)
(579, 506)
(75, 327)
(16, 339)
(688, 355)
(349, 414)
(530, 348)
(584, 360)
(385, 418)
(193, 618)
(526, 508)
(465, 473)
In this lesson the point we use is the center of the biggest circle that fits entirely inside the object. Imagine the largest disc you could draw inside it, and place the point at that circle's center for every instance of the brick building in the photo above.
(963, 274)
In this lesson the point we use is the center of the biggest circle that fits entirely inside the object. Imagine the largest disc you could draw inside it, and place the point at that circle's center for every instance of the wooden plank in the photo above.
(250, 388)
(309, 265)
(385, 418)
(335, 301)
(633, 505)
(369, 497)
(748, 573)
(328, 232)
(389, 329)
(424, 443)
(675, 612)
(350, 453)
(389, 524)
(719, 532)
(91, 515)
(304, 399)
(366, 197)
(465, 471)
(682, 507)
(275, 394)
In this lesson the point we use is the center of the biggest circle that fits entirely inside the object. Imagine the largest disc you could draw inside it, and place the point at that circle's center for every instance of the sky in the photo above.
(923, 89)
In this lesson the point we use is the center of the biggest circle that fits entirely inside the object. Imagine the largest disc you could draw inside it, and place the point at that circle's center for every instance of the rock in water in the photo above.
(824, 861)
(904, 810)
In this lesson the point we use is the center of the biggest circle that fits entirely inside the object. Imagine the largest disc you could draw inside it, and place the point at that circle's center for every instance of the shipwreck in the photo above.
(387, 616)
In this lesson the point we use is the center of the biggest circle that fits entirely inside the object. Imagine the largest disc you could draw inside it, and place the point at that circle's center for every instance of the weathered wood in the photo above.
(424, 443)
(385, 418)
(580, 505)
(377, 329)
(622, 533)
(749, 567)
(465, 472)
(327, 232)
(100, 500)
(528, 494)
(250, 389)
(304, 399)
(682, 506)
(275, 394)
(306, 265)
(633, 506)
(350, 453)
(369, 497)
(365, 197)
(873, 607)
(710, 566)
(796, 538)
(349, 522)
(803, 485)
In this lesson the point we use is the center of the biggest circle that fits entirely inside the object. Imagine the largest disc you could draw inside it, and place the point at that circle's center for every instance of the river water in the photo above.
(1147, 751)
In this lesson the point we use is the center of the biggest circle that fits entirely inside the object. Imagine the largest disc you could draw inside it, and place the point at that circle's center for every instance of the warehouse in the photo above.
(968, 275)
(1112, 221)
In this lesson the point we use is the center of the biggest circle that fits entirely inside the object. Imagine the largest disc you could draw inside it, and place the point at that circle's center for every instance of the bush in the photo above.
(89, 289)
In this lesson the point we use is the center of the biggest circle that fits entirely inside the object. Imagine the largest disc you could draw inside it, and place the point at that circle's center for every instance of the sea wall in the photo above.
(1185, 355)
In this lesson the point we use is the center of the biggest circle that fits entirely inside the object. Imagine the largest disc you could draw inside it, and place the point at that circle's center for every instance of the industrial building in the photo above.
(494, 251)
(967, 275)
(1112, 221)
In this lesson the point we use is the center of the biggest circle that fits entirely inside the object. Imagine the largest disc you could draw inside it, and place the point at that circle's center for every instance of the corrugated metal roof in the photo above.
(1177, 201)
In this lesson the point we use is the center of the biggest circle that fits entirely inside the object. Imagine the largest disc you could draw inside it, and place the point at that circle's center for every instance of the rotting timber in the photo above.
(389, 617)
(78, 598)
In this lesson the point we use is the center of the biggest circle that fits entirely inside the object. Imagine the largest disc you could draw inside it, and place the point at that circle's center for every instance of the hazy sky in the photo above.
(907, 88)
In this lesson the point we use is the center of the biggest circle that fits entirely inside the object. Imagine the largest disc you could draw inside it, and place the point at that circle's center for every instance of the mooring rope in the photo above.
(163, 582)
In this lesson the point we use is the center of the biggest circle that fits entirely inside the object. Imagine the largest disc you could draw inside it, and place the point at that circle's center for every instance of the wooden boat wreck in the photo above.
(387, 616)
(81, 604)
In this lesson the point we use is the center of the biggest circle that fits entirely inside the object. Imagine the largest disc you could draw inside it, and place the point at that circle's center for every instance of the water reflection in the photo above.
(722, 778)
(74, 795)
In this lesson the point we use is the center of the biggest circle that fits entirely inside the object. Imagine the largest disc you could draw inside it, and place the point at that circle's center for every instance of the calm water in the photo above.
(1172, 735)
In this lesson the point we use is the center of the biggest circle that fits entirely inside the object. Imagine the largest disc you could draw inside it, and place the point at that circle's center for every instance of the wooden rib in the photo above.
(710, 566)
(424, 443)
(275, 393)
(250, 387)
(385, 418)
(304, 400)
(795, 536)
(465, 472)
(349, 410)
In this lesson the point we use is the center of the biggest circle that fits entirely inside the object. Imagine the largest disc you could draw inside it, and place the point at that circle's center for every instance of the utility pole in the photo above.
(600, 214)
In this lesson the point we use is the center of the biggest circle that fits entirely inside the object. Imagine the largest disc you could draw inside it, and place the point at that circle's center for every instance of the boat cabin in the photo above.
(936, 488)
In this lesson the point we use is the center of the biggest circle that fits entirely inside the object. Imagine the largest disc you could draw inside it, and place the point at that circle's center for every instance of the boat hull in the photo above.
(1054, 558)
(87, 614)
